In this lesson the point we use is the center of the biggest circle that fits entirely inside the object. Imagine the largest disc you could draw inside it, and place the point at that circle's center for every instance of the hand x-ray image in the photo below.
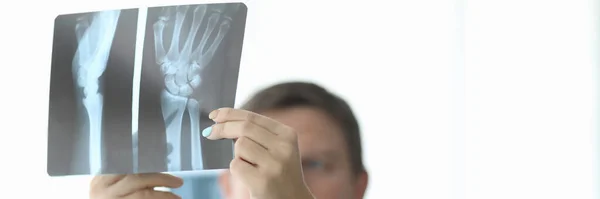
(191, 63)
(131, 89)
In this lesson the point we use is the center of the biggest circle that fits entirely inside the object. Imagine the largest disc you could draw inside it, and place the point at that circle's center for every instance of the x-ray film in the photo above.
(131, 89)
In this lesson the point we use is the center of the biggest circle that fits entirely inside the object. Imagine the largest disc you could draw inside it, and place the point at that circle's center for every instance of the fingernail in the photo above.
(206, 132)
(213, 114)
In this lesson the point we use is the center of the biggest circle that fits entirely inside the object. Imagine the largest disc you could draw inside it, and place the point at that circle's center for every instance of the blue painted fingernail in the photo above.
(206, 132)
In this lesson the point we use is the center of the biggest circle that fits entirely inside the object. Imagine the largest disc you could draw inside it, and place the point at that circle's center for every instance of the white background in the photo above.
(480, 99)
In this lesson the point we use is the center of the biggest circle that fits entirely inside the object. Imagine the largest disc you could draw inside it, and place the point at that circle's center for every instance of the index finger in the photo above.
(222, 115)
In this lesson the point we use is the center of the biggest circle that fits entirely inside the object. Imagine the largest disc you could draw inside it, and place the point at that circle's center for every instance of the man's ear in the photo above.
(225, 184)
(362, 181)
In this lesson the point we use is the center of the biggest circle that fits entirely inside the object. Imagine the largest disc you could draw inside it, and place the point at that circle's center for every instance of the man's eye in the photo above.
(313, 164)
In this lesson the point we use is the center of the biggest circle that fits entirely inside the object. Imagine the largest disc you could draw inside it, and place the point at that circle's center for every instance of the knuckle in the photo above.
(273, 171)
(250, 116)
(292, 135)
(131, 178)
(288, 133)
(286, 152)
(287, 148)
(239, 143)
(146, 193)
(247, 126)
(218, 128)
(225, 112)
(136, 177)
(287, 129)
(234, 166)
(237, 152)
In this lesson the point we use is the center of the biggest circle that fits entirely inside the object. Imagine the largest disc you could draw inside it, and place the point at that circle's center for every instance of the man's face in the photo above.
(326, 162)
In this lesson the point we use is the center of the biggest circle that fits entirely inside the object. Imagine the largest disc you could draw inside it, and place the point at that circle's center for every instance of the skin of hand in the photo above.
(133, 186)
(267, 159)
(326, 161)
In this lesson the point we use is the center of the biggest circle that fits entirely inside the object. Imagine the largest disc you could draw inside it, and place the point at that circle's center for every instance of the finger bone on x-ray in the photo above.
(204, 52)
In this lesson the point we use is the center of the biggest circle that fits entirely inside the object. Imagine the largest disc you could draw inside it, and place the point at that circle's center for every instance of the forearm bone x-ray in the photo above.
(94, 36)
(182, 69)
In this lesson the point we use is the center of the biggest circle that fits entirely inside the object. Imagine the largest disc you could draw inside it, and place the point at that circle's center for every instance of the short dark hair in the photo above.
(294, 94)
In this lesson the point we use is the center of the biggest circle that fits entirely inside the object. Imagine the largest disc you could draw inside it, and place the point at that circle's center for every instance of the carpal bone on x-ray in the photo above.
(131, 89)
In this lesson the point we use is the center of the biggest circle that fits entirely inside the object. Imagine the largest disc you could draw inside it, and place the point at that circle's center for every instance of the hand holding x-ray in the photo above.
(182, 68)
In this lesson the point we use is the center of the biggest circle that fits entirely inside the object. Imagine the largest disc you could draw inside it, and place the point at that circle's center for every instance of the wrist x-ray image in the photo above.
(131, 89)
(90, 93)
